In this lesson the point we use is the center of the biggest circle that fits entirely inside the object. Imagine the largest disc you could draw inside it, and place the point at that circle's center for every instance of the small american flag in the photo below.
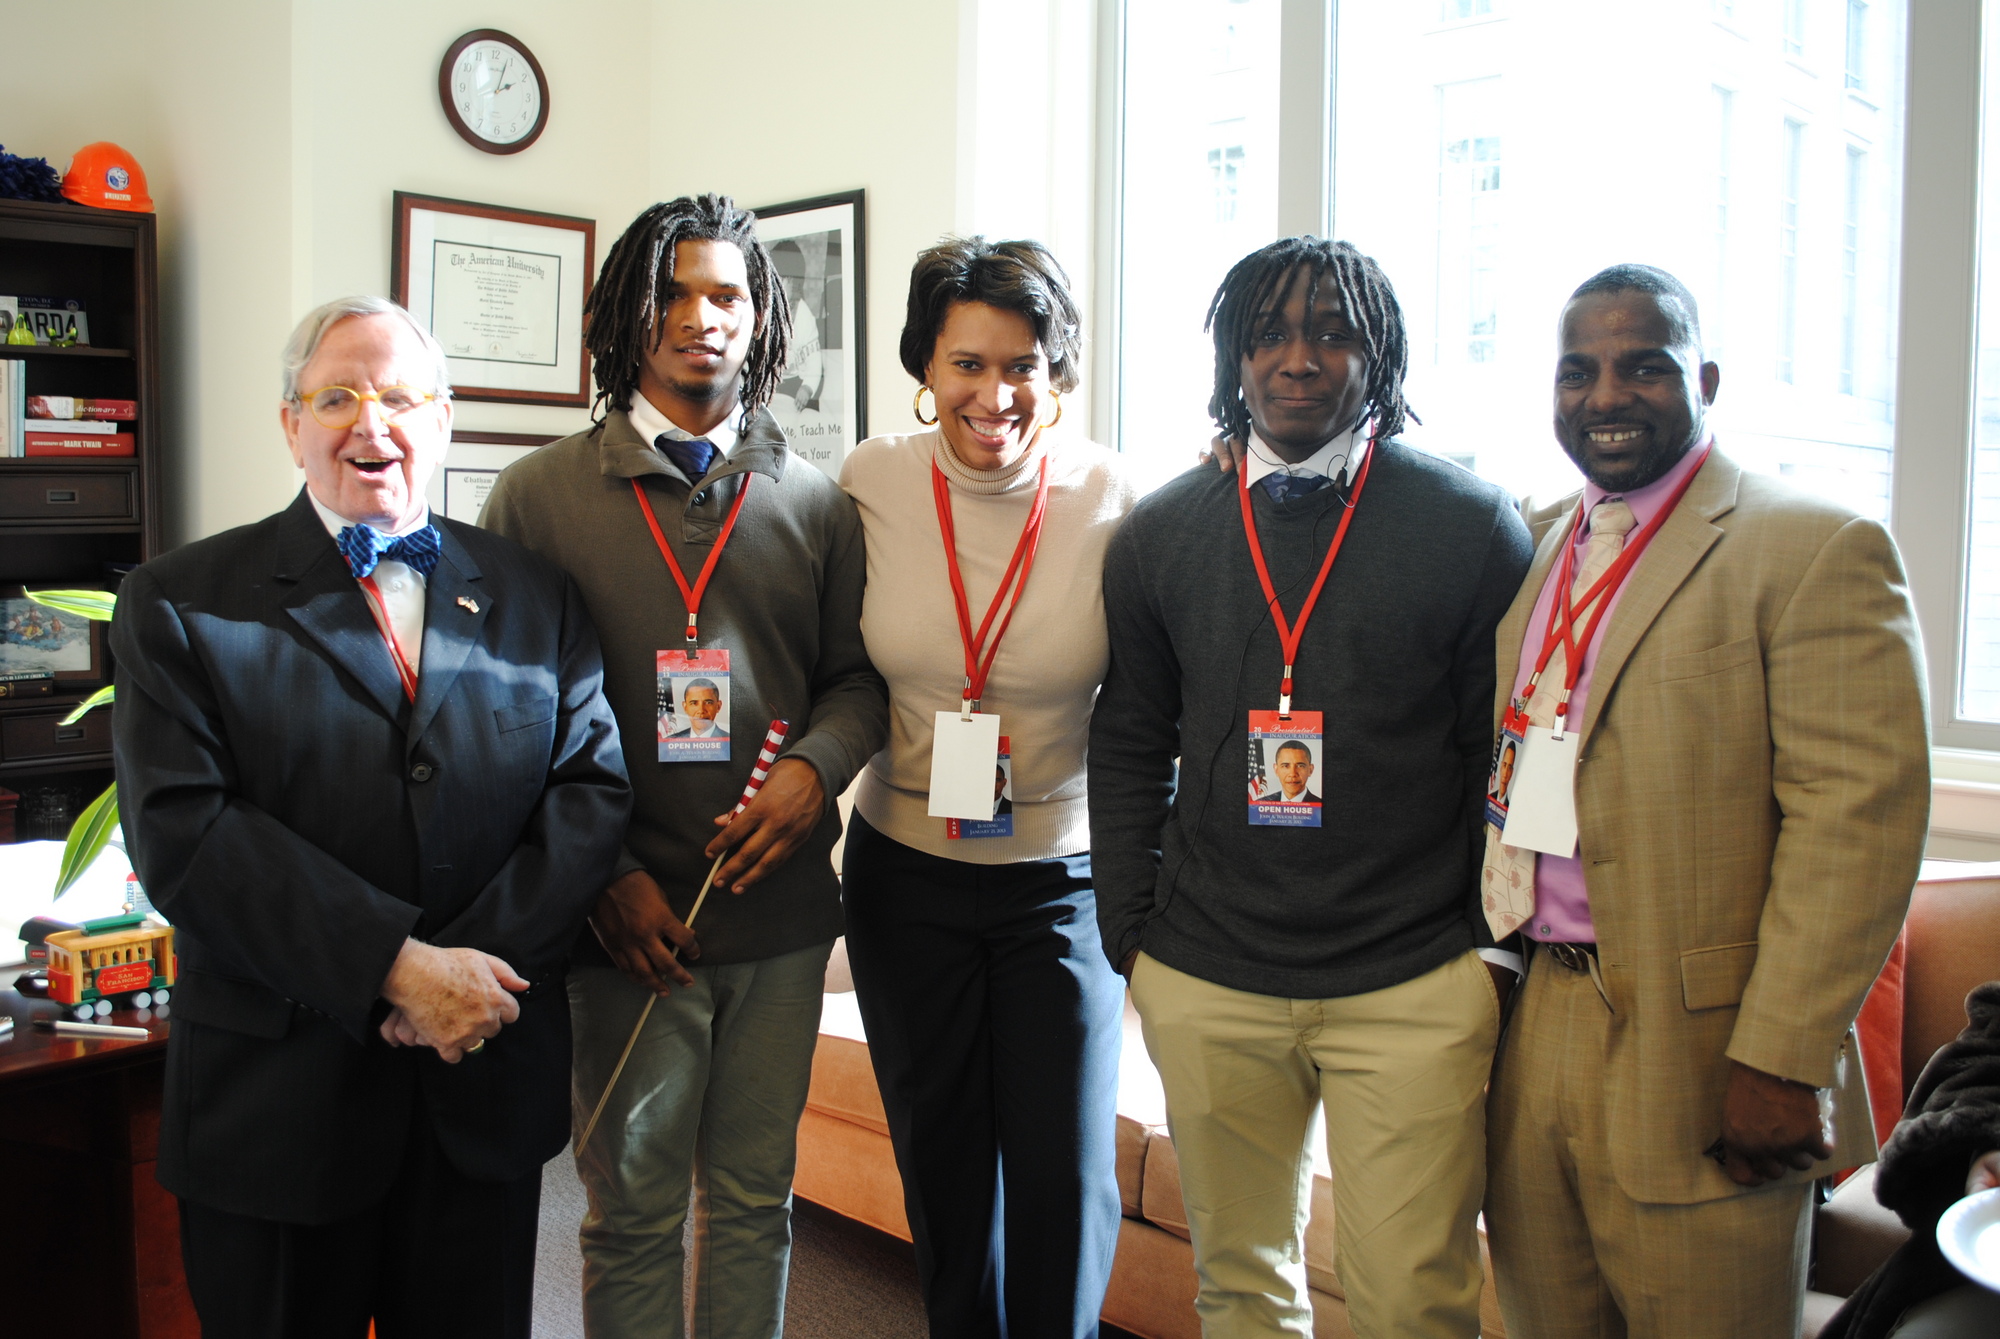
(1256, 768)
(774, 739)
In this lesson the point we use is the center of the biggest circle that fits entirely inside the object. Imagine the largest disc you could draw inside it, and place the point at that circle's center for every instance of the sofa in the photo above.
(1951, 943)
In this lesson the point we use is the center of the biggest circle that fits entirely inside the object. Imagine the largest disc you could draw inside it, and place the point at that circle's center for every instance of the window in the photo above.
(1795, 27)
(1850, 267)
(1487, 212)
(1857, 49)
(1468, 232)
(1199, 193)
(1979, 683)
(1791, 168)
(1715, 316)
(1454, 11)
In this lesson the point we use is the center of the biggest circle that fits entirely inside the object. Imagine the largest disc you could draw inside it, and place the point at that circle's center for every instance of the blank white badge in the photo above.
(1541, 810)
(964, 753)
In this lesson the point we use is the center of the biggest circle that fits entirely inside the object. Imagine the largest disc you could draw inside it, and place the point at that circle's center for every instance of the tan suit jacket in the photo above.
(1752, 793)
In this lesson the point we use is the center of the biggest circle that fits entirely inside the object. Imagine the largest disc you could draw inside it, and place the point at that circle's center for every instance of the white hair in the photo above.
(310, 333)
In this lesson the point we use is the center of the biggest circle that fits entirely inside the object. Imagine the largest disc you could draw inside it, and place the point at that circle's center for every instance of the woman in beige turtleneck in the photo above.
(992, 1015)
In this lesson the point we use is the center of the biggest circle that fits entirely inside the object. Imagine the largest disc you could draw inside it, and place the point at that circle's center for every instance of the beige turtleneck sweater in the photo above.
(1055, 654)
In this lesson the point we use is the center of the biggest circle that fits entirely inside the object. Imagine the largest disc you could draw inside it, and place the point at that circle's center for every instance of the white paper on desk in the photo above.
(1541, 808)
(964, 754)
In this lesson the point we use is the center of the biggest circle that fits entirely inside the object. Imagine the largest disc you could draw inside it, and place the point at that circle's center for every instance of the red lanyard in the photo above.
(977, 667)
(1290, 635)
(380, 609)
(1564, 608)
(691, 596)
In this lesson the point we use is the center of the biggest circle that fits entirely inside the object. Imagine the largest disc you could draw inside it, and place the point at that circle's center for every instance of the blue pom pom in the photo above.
(28, 178)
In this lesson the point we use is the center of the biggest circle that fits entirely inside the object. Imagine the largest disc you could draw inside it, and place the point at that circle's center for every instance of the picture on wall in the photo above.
(503, 291)
(819, 249)
(472, 466)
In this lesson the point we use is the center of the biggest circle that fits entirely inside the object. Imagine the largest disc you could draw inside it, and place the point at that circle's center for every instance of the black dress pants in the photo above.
(994, 1027)
(441, 1256)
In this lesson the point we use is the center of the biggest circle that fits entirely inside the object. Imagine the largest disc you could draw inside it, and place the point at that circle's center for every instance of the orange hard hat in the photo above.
(104, 175)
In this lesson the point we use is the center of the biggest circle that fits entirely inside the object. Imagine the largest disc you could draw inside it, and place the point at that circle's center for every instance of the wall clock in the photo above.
(493, 91)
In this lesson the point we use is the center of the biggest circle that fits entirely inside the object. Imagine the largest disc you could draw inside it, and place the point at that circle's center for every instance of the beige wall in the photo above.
(273, 133)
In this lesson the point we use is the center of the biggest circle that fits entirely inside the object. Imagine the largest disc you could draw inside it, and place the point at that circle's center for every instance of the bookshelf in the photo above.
(78, 522)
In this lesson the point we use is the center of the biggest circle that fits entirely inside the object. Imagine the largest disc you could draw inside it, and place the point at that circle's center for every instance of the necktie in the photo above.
(1284, 487)
(1507, 876)
(692, 455)
(364, 546)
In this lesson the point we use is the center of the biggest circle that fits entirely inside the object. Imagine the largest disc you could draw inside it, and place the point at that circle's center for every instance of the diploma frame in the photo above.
(553, 257)
(819, 246)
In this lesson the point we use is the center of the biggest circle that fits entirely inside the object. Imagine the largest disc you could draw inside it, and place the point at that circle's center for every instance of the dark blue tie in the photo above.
(692, 456)
(364, 546)
(1284, 487)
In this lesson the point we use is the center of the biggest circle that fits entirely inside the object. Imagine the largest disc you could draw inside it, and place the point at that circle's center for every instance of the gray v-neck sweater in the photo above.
(786, 602)
(1398, 656)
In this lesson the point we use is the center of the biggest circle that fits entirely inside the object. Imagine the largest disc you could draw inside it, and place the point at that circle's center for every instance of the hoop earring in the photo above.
(1057, 397)
(917, 407)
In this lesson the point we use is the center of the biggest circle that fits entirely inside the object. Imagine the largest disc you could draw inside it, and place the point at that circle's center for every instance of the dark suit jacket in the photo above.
(297, 818)
(689, 734)
(1278, 797)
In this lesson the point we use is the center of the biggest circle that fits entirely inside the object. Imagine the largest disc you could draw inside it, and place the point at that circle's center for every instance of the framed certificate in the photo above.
(819, 249)
(503, 291)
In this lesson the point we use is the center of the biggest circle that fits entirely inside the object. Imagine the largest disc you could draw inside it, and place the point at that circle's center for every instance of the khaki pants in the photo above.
(1402, 1074)
(1574, 1257)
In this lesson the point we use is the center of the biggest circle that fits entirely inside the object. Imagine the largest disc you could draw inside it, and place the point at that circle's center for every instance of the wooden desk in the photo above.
(94, 1237)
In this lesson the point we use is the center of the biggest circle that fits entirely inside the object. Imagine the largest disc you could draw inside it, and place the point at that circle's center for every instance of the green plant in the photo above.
(94, 826)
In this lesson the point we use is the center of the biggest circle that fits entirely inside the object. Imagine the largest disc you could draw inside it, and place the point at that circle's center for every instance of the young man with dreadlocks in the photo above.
(702, 548)
(1340, 595)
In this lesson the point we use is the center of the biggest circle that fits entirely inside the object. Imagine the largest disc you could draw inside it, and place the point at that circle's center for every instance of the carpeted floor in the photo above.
(845, 1283)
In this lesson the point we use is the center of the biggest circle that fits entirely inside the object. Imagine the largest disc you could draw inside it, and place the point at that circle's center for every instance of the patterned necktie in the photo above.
(1507, 876)
(364, 546)
(1284, 487)
(693, 456)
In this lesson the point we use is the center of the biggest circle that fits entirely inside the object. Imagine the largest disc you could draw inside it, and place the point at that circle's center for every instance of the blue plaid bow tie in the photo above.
(1284, 487)
(364, 546)
(692, 456)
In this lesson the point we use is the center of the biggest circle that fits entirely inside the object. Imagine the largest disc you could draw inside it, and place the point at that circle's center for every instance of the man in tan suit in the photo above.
(1749, 765)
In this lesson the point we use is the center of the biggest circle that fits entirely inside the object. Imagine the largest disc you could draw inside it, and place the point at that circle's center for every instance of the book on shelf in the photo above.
(79, 444)
(7, 429)
(96, 427)
(81, 407)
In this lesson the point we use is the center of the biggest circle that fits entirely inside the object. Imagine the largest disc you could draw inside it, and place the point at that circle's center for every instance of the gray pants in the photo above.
(707, 1110)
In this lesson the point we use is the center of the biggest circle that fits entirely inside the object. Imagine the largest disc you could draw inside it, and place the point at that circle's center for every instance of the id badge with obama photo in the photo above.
(1284, 759)
(692, 694)
(1002, 822)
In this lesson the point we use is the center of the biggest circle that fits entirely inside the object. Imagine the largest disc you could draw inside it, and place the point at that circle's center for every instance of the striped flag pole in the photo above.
(774, 739)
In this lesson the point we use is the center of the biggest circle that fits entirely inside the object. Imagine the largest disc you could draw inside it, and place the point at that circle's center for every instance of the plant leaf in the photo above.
(87, 838)
(100, 698)
(95, 605)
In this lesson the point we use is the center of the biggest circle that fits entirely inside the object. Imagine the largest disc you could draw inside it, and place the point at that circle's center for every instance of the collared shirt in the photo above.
(402, 586)
(1345, 450)
(652, 425)
(1562, 902)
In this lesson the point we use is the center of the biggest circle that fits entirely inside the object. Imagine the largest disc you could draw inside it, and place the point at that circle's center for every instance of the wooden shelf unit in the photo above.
(72, 522)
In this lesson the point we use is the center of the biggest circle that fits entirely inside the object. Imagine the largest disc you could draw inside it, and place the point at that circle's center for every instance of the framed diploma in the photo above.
(503, 291)
(819, 250)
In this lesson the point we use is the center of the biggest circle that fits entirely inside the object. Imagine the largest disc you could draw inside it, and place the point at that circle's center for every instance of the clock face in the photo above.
(493, 92)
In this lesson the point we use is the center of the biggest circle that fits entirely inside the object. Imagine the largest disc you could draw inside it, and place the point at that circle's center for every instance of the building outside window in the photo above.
(1715, 317)
(1468, 227)
(1979, 677)
(1850, 267)
(1199, 193)
(1795, 27)
(1791, 171)
(1857, 43)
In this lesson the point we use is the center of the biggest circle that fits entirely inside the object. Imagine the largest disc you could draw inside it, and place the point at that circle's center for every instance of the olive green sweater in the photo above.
(785, 601)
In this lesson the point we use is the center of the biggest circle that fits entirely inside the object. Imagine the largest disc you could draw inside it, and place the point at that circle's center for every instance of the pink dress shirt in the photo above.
(1562, 902)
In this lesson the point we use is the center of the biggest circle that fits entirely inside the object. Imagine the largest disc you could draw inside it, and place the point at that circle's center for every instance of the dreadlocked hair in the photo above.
(1262, 280)
(622, 315)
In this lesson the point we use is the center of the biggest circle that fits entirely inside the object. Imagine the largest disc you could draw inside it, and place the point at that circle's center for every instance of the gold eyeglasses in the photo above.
(339, 406)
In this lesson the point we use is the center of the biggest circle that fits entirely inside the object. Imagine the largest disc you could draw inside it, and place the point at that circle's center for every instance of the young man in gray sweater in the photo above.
(724, 575)
(1295, 945)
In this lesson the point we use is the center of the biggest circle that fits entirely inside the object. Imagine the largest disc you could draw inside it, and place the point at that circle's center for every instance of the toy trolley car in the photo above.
(129, 956)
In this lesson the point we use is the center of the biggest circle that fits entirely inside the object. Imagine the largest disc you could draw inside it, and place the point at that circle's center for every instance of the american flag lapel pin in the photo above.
(467, 603)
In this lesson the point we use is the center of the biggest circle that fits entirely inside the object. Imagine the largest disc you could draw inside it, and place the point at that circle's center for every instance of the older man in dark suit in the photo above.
(367, 767)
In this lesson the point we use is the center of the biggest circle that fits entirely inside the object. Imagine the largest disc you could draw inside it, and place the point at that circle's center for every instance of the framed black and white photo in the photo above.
(503, 291)
(819, 248)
